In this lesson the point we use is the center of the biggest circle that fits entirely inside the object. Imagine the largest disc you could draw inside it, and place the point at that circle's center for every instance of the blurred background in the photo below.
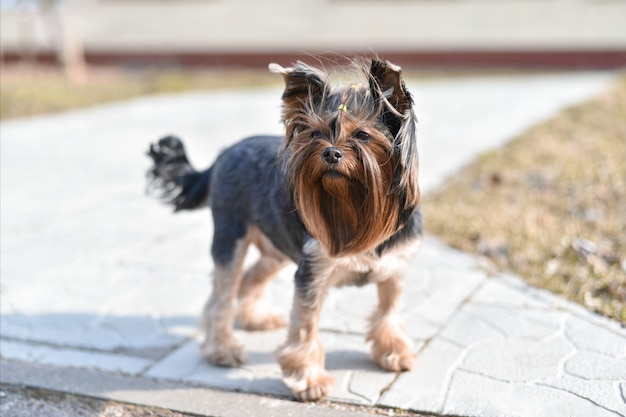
(64, 54)
(250, 33)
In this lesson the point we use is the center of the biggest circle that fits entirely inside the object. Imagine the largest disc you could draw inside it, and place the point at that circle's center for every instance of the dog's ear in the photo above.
(302, 84)
(386, 81)
(386, 84)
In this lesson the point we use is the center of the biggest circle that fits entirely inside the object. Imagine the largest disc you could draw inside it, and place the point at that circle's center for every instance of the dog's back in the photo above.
(244, 187)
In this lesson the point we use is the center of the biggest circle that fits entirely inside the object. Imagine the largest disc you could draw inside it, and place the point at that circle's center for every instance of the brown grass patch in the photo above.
(550, 206)
(28, 91)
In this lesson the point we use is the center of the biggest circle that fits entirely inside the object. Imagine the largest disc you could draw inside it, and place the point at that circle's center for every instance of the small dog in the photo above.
(338, 195)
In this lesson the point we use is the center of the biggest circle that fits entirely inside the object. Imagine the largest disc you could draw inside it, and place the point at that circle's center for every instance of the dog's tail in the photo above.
(173, 179)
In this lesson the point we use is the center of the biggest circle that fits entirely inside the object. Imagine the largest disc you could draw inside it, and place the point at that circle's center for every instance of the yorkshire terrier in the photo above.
(338, 195)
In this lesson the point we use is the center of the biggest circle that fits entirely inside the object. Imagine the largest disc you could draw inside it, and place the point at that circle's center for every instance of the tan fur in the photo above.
(345, 208)
(301, 357)
(391, 346)
(354, 206)
(229, 284)
(253, 313)
(338, 272)
(220, 345)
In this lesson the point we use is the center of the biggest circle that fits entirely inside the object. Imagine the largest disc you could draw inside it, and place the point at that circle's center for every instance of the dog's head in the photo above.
(351, 154)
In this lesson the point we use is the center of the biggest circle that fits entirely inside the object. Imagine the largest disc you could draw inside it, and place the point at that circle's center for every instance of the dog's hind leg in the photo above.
(220, 345)
(254, 313)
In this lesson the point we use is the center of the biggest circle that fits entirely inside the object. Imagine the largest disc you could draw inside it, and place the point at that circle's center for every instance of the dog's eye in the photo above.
(316, 134)
(362, 136)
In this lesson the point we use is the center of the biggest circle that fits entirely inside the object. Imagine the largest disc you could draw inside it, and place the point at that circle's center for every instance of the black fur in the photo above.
(247, 188)
(174, 177)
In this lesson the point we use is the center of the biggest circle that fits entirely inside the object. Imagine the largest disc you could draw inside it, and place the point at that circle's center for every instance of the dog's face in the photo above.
(351, 155)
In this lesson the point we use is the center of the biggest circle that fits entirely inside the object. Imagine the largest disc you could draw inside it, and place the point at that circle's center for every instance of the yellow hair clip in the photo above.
(342, 107)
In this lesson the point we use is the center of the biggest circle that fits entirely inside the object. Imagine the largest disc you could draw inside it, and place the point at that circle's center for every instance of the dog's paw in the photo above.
(396, 361)
(316, 388)
(229, 355)
(309, 383)
(303, 370)
(392, 348)
(395, 355)
(261, 321)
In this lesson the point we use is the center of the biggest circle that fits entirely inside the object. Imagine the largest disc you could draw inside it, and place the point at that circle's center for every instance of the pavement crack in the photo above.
(341, 332)
(493, 378)
(61, 346)
(388, 387)
(452, 316)
(595, 403)
(351, 391)
(545, 385)
(489, 325)
(568, 338)
(167, 353)
(584, 378)
(452, 369)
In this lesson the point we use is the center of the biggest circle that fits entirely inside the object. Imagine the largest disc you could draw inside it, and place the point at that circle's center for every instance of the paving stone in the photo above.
(465, 330)
(589, 335)
(525, 348)
(369, 389)
(116, 314)
(347, 359)
(517, 360)
(143, 336)
(59, 356)
(187, 364)
(605, 393)
(594, 366)
(435, 253)
(419, 328)
(167, 395)
(439, 295)
(477, 395)
(359, 379)
(514, 322)
(507, 291)
(424, 388)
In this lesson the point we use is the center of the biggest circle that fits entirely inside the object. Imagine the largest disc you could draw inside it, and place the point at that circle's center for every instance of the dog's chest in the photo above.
(364, 269)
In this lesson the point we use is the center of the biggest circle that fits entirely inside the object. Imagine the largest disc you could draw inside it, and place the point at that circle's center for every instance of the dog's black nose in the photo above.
(332, 155)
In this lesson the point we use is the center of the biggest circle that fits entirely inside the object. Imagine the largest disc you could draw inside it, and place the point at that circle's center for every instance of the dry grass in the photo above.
(27, 91)
(550, 206)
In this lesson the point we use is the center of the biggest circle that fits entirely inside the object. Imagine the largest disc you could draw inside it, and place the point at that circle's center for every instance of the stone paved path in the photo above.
(97, 276)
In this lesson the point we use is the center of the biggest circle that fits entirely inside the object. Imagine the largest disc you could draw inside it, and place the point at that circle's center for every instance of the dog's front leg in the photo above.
(391, 346)
(301, 357)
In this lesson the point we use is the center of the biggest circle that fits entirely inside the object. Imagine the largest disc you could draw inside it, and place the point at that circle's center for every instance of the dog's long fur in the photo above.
(338, 195)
